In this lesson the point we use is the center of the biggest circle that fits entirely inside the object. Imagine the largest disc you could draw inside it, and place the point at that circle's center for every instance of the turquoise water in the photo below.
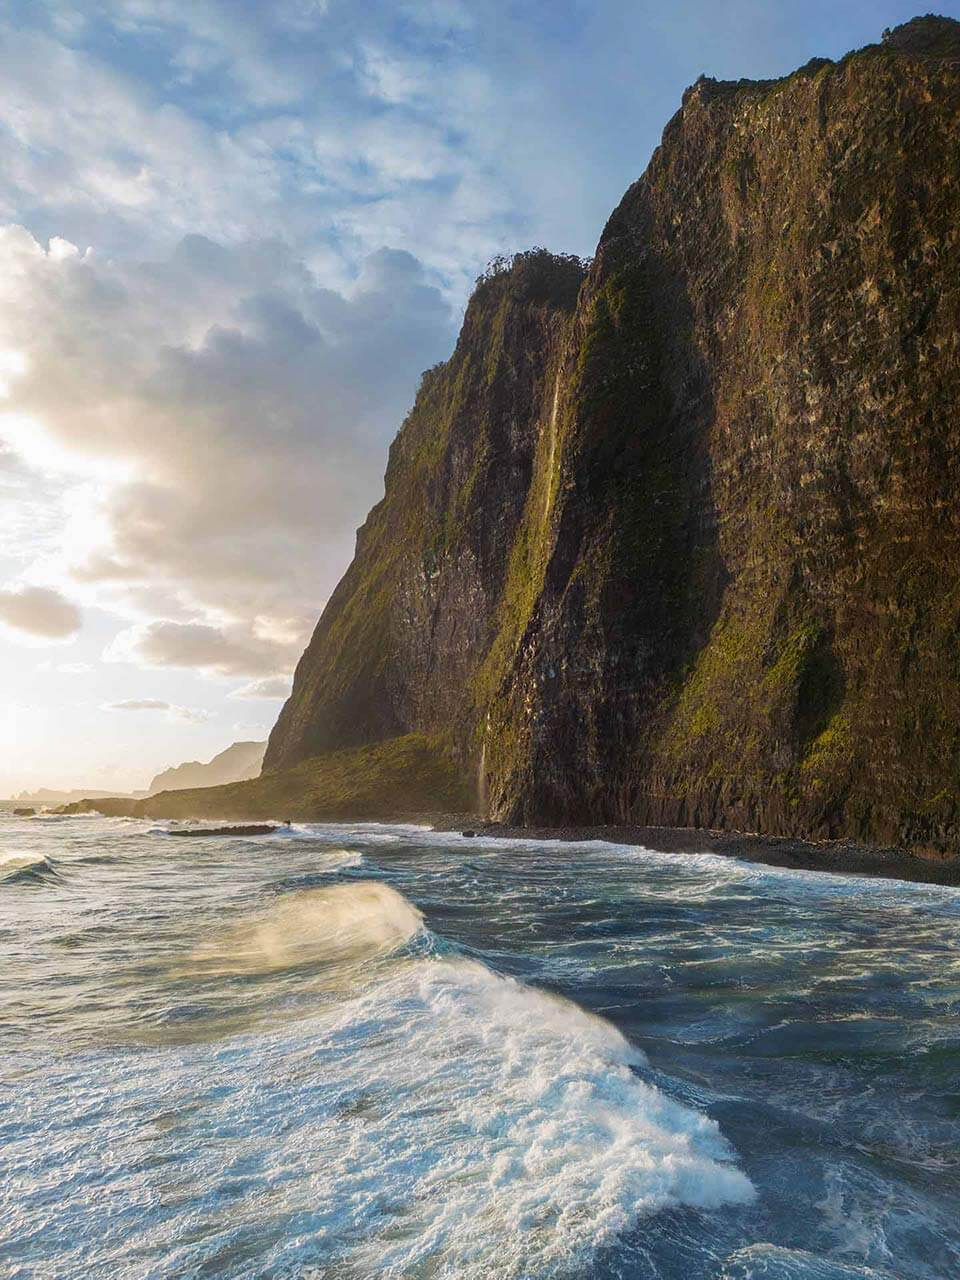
(368, 1051)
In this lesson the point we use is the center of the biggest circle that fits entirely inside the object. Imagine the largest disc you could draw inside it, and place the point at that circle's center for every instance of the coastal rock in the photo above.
(411, 778)
(682, 545)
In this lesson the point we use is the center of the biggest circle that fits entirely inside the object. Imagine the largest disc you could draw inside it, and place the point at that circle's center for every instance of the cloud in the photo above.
(39, 611)
(203, 647)
(193, 715)
(285, 205)
(285, 117)
(66, 668)
(213, 424)
(138, 704)
(269, 687)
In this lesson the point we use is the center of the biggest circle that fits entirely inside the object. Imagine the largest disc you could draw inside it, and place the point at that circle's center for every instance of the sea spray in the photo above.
(340, 925)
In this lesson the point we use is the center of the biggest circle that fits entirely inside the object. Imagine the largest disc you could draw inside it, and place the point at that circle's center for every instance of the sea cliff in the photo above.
(673, 537)
(679, 544)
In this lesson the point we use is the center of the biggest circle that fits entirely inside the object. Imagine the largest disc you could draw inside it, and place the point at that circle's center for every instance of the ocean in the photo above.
(346, 1052)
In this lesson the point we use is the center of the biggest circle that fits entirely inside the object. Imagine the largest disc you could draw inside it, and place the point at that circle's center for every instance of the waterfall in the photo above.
(482, 781)
(548, 490)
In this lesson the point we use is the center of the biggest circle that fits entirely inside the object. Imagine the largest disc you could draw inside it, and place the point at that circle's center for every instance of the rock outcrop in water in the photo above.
(680, 543)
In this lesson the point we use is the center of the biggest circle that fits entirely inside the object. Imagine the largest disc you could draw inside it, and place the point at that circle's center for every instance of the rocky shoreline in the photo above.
(838, 856)
(843, 857)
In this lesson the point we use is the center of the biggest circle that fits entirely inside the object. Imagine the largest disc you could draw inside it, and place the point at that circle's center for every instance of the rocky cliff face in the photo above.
(685, 547)
(401, 640)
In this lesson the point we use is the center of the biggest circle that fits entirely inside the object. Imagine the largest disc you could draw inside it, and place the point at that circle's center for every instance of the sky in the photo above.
(233, 233)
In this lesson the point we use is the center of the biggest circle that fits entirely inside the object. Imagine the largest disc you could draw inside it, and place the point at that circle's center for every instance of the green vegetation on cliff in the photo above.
(749, 615)
(401, 638)
(401, 778)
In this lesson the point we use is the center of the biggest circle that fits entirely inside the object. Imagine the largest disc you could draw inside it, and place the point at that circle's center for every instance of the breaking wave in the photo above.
(560, 1145)
(329, 1089)
(32, 871)
(446, 1122)
(455, 1122)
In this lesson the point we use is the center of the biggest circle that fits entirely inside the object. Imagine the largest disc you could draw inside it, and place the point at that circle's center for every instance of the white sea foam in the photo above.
(721, 869)
(560, 1145)
(445, 1121)
(359, 1102)
(769, 1262)
(339, 859)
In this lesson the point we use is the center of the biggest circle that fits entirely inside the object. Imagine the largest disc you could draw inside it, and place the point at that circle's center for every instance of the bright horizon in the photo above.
(225, 266)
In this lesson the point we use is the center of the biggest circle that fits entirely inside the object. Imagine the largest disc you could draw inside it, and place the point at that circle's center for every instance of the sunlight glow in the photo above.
(39, 447)
(30, 439)
(13, 364)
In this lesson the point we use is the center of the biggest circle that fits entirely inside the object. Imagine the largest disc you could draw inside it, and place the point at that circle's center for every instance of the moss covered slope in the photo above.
(401, 778)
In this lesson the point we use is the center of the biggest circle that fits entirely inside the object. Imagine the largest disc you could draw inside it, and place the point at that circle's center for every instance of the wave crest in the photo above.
(770, 1262)
(561, 1146)
(28, 870)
